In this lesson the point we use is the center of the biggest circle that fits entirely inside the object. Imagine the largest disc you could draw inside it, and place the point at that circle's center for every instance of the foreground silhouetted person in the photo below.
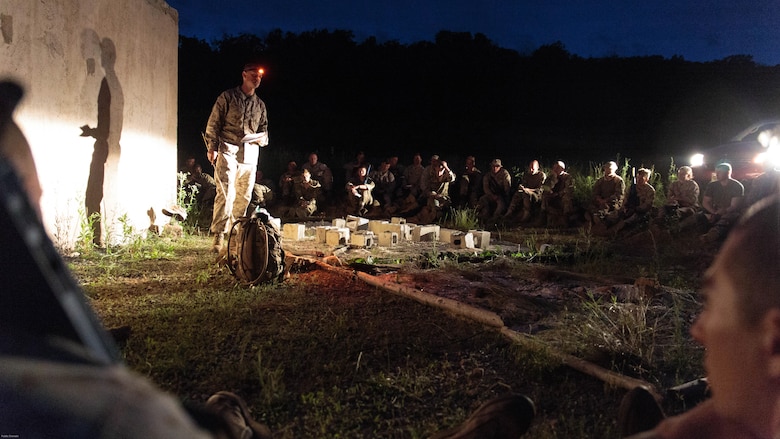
(740, 330)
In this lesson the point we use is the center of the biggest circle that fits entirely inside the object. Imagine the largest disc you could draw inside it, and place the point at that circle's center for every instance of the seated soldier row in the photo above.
(423, 194)
(536, 199)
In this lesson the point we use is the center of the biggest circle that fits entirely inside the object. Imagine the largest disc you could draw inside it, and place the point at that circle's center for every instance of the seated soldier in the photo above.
(608, 192)
(496, 185)
(413, 175)
(639, 202)
(305, 190)
(435, 195)
(359, 192)
(286, 194)
(528, 193)
(739, 328)
(557, 197)
(469, 184)
(722, 205)
(398, 172)
(436, 184)
(262, 193)
(682, 199)
(360, 160)
(204, 196)
(385, 185)
(320, 172)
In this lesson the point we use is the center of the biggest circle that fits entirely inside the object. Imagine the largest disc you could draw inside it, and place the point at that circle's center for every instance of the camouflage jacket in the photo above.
(645, 197)
(233, 116)
(320, 172)
(497, 183)
(684, 193)
(611, 190)
(434, 181)
(306, 190)
(559, 186)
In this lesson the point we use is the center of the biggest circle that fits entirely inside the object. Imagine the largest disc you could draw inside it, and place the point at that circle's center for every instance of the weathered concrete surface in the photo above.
(110, 66)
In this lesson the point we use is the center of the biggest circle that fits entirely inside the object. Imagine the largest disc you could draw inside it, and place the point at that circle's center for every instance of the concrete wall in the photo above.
(109, 66)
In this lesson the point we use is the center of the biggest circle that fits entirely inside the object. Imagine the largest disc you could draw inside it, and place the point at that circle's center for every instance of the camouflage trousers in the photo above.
(235, 182)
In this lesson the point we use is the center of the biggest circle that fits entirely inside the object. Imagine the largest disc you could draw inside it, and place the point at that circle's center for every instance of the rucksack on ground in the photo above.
(254, 250)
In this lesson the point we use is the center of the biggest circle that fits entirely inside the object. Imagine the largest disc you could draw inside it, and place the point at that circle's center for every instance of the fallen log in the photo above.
(493, 320)
(488, 318)
(594, 370)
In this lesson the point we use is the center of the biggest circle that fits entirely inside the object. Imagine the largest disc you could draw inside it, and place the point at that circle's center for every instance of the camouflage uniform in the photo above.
(436, 186)
(682, 199)
(385, 186)
(207, 192)
(684, 193)
(611, 189)
(320, 172)
(558, 197)
(233, 116)
(358, 205)
(306, 193)
(413, 175)
(470, 188)
(528, 194)
(634, 209)
(497, 187)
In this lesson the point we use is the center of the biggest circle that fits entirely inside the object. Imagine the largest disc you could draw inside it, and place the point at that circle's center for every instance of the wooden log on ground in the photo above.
(493, 320)
(480, 315)
(594, 370)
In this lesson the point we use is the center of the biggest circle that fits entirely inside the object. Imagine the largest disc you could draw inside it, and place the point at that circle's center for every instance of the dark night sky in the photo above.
(698, 30)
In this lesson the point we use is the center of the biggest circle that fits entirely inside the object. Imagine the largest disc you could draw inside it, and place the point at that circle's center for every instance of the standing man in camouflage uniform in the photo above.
(237, 128)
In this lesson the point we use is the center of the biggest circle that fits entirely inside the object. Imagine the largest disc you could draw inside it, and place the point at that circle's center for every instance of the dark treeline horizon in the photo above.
(463, 95)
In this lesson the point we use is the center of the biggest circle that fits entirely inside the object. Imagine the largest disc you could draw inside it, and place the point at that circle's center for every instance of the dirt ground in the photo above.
(526, 287)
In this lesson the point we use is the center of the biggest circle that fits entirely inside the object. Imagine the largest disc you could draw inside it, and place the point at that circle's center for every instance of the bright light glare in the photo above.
(768, 138)
(771, 156)
(697, 160)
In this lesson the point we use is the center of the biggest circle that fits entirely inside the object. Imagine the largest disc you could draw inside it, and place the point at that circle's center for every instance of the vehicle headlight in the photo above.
(768, 138)
(769, 157)
(697, 160)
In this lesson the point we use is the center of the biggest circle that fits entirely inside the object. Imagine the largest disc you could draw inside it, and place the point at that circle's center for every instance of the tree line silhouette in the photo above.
(463, 95)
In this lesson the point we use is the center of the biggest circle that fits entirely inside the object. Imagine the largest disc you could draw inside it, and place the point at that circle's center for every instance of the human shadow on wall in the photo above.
(103, 170)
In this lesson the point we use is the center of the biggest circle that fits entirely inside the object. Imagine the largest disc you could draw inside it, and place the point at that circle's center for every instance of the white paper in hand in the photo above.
(259, 138)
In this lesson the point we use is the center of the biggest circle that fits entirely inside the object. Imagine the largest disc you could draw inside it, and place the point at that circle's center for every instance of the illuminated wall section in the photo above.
(100, 107)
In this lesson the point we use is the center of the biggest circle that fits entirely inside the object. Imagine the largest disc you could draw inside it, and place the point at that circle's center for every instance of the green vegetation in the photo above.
(461, 219)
